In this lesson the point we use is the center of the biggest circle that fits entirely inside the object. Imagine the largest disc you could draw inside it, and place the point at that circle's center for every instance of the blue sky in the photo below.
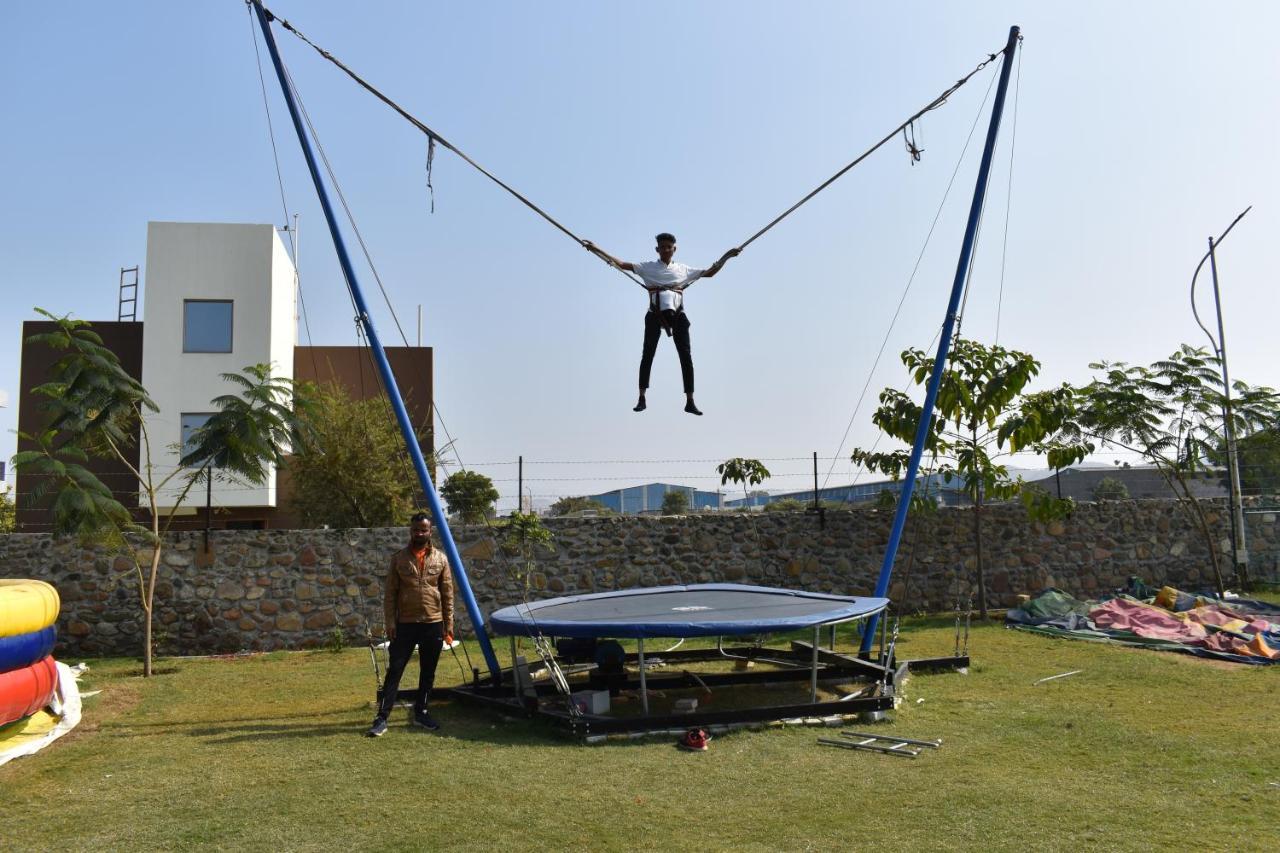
(1142, 128)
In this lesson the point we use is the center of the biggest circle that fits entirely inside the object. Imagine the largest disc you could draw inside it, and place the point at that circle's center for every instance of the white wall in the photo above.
(246, 264)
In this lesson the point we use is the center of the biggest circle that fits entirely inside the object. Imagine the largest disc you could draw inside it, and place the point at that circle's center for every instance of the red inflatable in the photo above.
(27, 690)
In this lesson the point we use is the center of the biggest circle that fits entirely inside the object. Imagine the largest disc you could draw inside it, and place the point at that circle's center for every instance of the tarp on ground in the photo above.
(30, 735)
(1239, 630)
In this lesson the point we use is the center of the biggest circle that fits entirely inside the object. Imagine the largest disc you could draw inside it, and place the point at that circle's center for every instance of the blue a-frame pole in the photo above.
(944, 341)
(380, 357)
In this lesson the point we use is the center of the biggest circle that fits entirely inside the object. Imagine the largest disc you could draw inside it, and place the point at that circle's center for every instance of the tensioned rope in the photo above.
(275, 156)
(1008, 198)
(910, 281)
(541, 643)
(364, 248)
(438, 139)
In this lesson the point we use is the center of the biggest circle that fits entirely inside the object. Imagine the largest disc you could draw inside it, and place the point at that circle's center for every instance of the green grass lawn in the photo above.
(1140, 750)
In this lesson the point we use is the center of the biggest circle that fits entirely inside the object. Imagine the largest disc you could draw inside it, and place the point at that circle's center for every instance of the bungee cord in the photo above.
(436, 138)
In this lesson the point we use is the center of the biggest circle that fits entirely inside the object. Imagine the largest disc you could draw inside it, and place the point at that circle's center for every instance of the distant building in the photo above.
(1142, 482)
(635, 500)
(859, 493)
(218, 298)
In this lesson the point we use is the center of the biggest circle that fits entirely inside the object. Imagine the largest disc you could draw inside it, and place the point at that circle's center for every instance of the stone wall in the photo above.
(296, 588)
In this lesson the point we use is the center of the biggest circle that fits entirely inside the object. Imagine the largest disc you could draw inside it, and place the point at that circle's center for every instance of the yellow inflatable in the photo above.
(27, 606)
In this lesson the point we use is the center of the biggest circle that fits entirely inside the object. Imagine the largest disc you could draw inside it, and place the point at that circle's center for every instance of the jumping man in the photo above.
(666, 282)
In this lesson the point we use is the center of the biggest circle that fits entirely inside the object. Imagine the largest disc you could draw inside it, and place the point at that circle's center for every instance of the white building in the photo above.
(219, 298)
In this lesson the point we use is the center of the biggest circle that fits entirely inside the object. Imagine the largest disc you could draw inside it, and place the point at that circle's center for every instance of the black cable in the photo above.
(910, 280)
(431, 134)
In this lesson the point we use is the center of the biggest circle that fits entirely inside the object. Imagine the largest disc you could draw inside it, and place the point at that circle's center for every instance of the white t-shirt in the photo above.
(674, 276)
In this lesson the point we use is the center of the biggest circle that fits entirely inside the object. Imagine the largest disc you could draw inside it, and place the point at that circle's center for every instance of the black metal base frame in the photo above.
(881, 679)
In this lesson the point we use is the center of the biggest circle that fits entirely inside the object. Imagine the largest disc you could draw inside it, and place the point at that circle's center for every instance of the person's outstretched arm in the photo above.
(715, 268)
(601, 253)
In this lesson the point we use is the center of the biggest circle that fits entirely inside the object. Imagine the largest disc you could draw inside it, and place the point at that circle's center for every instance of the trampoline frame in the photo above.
(882, 678)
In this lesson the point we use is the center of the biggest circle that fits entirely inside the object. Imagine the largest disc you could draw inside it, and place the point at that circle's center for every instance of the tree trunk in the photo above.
(147, 608)
(977, 541)
(977, 532)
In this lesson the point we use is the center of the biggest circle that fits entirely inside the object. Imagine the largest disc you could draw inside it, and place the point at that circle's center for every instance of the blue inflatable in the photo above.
(22, 650)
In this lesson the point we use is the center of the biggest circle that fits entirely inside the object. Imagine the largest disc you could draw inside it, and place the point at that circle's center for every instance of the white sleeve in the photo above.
(693, 275)
(641, 269)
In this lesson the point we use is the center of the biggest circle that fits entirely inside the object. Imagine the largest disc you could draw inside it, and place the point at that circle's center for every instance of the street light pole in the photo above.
(1238, 545)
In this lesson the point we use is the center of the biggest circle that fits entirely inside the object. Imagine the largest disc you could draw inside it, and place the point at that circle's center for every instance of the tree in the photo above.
(95, 408)
(787, 505)
(1110, 489)
(525, 532)
(675, 502)
(578, 506)
(1171, 412)
(745, 472)
(349, 469)
(7, 513)
(1259, 461)
(250, 433)
(470, 495)
(980, 409)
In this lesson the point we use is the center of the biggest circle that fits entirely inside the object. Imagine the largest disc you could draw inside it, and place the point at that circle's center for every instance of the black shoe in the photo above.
(423, 720)
(691, 408)
(640, 405)
(379, 727)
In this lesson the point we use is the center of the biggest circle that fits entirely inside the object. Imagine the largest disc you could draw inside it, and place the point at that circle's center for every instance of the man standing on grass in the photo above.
(666, 281)
(418, 607)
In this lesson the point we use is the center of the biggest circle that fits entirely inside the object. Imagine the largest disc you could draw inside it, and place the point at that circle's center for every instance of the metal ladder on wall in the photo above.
(128, 295)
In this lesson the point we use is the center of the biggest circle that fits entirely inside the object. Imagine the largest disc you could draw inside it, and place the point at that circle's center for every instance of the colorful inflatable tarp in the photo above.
(28, 673)
(1236, 629)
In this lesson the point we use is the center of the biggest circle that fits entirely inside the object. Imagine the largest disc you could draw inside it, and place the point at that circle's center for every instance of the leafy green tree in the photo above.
(7, 513)
(349, 469)
(525, 533)
(1110, 489)
(745, 472)
(1259, 460)
(1171, 413)
(250, 432)
(470, 495)
(787, 505)
(95, 408)
(675, 502)
(981, 416)
(577, 506)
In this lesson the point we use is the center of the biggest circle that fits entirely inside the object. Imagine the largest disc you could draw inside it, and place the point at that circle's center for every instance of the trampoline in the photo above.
(724, 610)
(700, 610)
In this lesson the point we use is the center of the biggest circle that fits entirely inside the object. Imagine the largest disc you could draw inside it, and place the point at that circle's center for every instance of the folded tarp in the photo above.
(1050, 606)
(1211, 629)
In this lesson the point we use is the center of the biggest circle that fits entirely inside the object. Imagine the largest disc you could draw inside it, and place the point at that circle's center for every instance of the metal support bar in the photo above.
(813, 679)
(944, 340)
(380, 357)
(644, 686)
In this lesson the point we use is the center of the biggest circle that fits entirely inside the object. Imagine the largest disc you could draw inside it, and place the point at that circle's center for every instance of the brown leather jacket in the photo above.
(413, 595)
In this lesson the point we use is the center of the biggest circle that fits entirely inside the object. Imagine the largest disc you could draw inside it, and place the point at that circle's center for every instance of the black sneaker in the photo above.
(423, 720)
(379, 727)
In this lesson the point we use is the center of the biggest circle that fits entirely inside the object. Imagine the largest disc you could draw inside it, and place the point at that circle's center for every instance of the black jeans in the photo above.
(680, 334)
(428, 637)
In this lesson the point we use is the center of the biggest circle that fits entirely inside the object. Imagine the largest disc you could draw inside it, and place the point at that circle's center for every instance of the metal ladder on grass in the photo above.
(881, 743)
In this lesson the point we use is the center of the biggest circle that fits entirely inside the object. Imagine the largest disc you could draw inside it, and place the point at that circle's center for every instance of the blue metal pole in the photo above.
(380, 357)
(944, 342)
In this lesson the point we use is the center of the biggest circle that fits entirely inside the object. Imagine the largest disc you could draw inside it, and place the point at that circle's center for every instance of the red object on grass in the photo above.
(25, 691)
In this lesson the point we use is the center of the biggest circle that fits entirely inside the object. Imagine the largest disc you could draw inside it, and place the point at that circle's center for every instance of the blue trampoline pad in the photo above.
(700, 610)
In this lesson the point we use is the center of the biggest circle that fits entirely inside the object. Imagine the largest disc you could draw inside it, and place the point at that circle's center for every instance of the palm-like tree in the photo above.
(250, 433)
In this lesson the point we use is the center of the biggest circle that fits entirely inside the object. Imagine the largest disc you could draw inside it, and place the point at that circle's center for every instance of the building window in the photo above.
(192, 421)
(206, 325)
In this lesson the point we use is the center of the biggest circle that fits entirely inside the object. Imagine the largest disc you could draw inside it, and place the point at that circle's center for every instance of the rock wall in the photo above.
(300, 588)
